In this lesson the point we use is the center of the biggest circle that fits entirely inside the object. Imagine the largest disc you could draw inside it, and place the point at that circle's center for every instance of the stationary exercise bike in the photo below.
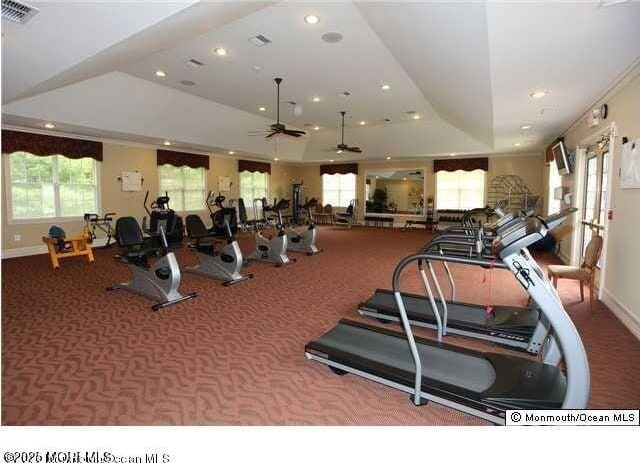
(225, 264)
(160, 281)
(274, 249)
(305, 241)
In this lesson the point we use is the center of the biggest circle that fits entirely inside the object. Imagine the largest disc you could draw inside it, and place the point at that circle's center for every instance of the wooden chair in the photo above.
(73, 247)
(584, 273)
(323, 215)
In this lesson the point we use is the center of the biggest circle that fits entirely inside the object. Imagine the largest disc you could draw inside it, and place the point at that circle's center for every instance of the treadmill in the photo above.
(516, 327)
(483, 384)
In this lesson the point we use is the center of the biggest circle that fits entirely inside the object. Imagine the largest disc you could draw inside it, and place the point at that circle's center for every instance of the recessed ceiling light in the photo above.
(339, 152)
(385, 87)
(232, 152)
(388, 158)
(377, 177)
(311, 19)
(330, 160)
(220, 51)
(49, 125)
(161, 74)
(404, 178)
(316, 128)
(256, 68)
(167, 143)
(538, 94)
(315, 99)
(276, 159)
(262, 108)
(362, 122)
(517, 144)
(416, 116)
(525, 127)
(452, 154)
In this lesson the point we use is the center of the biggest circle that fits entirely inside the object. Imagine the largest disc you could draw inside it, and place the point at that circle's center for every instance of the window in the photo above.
(460, 189)
(253, 185)
(555, 181)
(52, 186)
(338, 189)
(184, 185)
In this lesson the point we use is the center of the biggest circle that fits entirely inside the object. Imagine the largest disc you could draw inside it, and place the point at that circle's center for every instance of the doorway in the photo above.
(595, 183)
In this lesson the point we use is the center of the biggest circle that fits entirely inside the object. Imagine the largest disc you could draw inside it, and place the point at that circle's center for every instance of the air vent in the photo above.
(260, 40)
(188, 83)
(17, 12)
(332, 37)
(194, 63)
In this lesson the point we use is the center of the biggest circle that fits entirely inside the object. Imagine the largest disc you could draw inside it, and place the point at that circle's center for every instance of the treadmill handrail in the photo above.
(480, 261)
(397, 294)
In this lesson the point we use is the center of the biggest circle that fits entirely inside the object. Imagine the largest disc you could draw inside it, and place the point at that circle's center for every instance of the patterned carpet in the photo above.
(74, 354)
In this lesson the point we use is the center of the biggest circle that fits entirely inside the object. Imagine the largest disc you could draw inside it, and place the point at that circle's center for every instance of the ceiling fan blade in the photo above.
(293, 133)
(271, 134)
(353, 149)
(301, 132)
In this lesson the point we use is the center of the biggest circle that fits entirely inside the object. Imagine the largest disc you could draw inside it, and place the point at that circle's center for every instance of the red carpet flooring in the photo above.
(74, 354)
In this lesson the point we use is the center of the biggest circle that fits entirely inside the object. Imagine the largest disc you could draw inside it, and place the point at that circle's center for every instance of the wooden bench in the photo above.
(73, 247)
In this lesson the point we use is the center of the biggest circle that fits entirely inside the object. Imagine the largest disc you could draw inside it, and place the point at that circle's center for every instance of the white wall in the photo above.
(620, 289)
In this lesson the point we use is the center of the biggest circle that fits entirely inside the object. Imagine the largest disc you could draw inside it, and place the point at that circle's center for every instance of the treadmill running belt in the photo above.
(473, 373)
(419, 308)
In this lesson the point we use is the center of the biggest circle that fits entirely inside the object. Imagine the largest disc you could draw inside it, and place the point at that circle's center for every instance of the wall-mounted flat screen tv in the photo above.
(560, 156)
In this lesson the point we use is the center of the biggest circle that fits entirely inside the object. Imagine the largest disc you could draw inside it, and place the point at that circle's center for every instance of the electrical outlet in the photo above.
(17, 237)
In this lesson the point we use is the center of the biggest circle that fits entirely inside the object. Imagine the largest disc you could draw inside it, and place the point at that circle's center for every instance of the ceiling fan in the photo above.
(278, 128)
(341, 147)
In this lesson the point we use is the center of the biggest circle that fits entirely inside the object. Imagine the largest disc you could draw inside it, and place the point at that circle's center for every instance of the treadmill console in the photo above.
(555, 220)
(519, 237)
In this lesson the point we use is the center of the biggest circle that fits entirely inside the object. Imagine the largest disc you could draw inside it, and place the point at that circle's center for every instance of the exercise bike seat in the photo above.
(129, 236)
(203, 238)
(129, 233)
(281, 205)
(195, 227)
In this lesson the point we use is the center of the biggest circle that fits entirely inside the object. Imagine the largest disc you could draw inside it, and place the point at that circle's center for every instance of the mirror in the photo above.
(395, 191)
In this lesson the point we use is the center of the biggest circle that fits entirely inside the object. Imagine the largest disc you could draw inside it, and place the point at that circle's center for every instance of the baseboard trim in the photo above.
(42, 249)
(622, 312)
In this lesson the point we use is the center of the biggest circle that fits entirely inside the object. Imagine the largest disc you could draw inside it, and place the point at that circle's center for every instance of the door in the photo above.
(594, 213)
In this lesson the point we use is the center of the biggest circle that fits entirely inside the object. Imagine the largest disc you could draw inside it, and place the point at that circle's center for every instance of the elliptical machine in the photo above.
(305, 241)
(225, 264)
(159, 215)
(160, 281)
(274, 249)
(222, 217)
